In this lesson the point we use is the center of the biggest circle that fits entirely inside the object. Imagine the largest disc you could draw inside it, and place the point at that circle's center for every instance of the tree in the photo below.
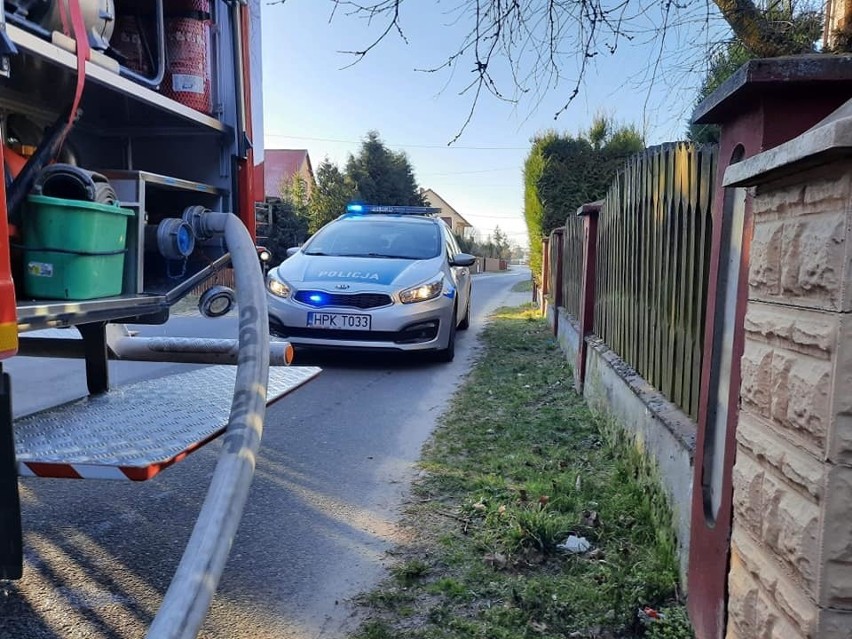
(723, 64)
(516, 252)
(466, 244)
(295, 193)
(289, 218)
(534, 40)
(769, 31)
(496, 244)
(802, 25)
(330, 196)
(500, 243)
(534, 168)
(563, 172)
(382, 176)
(376, 175)
(287, 229)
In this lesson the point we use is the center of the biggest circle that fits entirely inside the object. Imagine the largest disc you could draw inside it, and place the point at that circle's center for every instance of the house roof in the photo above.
(280, 165)
(436, 200)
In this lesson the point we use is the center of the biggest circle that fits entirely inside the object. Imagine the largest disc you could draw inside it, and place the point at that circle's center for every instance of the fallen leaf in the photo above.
(597, 553)
(496, 560)
(543, 500)
(501, 510)
(590, 518)
(538, 626)
(479, 506)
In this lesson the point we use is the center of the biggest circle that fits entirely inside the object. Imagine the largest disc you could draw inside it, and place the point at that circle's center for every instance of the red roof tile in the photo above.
(280, 165)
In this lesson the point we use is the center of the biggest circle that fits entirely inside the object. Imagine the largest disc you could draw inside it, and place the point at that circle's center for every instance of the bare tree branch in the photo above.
(535, 41)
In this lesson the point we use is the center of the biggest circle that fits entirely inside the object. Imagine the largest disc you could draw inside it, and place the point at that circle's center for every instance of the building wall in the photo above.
(458, 224)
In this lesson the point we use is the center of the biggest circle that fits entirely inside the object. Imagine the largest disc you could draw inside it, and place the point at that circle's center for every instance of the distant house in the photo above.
(281, 166)
(453, 218)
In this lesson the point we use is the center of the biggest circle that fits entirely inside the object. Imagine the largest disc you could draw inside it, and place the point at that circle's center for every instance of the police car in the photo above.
(378, 277)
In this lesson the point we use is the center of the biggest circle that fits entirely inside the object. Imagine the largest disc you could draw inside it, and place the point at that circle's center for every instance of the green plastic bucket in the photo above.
(73, 250)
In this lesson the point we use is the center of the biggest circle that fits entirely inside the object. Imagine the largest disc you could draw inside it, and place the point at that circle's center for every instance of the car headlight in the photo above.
(422, 292)
(277, 287)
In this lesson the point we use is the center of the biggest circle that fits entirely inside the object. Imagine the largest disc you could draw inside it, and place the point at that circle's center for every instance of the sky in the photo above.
(315, 98)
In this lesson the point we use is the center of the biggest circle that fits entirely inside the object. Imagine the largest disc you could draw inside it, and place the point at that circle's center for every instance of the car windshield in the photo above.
(377, 238)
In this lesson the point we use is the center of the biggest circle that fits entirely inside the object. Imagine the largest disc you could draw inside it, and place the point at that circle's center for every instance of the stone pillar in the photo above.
(763, 105)
(791, 551)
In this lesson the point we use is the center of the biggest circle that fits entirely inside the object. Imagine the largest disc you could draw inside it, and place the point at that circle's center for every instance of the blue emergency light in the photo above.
(393, 210)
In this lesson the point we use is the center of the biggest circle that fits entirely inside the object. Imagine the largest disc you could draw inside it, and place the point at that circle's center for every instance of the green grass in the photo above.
(523, 287)
(517, 465)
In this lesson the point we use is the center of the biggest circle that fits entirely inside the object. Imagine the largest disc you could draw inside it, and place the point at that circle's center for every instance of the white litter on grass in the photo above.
(575, 545)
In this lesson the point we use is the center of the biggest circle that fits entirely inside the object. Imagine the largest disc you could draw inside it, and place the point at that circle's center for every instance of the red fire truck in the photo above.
(131, 148)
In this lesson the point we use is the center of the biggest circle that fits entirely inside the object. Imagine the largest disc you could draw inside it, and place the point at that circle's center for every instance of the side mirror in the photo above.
(292, 251)
(463, 259)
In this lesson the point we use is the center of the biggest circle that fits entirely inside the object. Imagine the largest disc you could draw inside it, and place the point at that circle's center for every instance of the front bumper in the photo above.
(421, 326)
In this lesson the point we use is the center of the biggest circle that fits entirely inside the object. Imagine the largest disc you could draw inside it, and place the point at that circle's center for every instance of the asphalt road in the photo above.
(334, 469)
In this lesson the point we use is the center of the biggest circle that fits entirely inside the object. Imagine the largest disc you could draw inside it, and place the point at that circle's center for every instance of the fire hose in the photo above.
(192, 588)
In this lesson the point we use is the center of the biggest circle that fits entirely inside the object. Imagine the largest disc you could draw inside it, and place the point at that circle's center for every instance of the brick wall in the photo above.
(791, 554)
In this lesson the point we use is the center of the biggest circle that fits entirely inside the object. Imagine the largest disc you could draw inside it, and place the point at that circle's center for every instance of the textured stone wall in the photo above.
(791, 554)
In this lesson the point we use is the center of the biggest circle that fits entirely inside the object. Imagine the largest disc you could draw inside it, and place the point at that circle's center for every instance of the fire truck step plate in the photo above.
(135, 431)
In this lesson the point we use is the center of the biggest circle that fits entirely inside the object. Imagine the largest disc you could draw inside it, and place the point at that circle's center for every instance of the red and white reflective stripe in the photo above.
(69, 471)
(58, 470)
(89, 471)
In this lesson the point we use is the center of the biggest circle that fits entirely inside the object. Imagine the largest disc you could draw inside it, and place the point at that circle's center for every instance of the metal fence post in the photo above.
(558, 302)
(545, 275)
(589, 212)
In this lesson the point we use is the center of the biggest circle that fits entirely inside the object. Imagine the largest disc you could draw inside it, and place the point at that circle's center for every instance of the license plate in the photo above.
(339, 321)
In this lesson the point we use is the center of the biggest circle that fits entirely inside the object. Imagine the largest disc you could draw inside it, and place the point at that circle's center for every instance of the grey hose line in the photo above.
(191, 591)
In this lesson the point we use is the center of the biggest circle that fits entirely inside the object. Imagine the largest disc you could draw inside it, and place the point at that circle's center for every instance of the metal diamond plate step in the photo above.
(135, 431)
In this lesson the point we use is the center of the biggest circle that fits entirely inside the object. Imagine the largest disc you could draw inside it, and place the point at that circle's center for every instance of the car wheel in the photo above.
(447, 354)
(465, 323)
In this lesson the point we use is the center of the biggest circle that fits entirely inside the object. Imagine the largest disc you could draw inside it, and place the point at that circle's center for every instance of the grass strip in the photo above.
(517, 466)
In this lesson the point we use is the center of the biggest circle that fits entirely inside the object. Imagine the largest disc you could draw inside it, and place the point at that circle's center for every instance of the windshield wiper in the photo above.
(316, 253)
(380, 255)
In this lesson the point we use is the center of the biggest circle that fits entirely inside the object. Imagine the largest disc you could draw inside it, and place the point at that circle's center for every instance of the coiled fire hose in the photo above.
(186, 602)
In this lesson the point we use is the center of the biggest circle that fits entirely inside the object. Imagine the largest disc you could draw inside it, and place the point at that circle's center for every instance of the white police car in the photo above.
(378, 277)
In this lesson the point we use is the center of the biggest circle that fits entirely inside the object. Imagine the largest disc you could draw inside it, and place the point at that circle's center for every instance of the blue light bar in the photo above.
(394, 210)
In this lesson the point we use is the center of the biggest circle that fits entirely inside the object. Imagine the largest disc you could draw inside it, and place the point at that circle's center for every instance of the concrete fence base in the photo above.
(657, 427)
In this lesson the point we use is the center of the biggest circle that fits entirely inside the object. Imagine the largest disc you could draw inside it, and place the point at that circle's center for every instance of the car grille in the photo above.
(413, 334)
(350, 300)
